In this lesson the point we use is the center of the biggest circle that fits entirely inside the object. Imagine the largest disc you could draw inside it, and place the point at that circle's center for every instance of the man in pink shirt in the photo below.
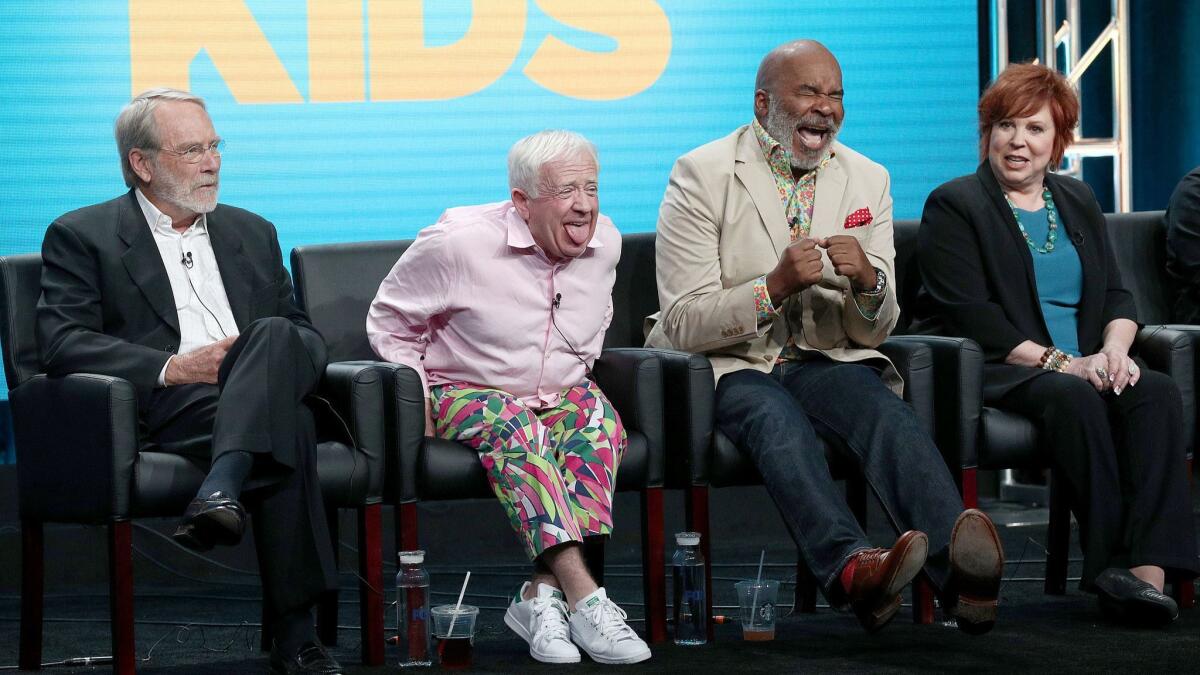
(501, 309)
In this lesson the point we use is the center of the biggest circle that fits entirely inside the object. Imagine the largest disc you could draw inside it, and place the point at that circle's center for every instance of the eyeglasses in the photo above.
(194, 153)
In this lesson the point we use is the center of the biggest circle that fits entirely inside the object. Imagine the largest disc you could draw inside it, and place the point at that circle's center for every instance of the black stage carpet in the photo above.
(201, 616)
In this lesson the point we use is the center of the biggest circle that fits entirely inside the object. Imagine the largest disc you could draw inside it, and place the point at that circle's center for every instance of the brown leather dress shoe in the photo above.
(976, 568)
(880, 574)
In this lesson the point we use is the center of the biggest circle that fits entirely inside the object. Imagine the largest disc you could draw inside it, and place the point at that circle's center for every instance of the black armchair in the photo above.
(939, 373)
(92, 470)
(1009, 441)
(336, 283)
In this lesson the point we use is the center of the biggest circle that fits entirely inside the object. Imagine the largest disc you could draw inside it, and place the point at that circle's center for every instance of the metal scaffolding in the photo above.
(1060, 47)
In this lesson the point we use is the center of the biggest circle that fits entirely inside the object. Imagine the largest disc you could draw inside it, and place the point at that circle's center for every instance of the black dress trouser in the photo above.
(1123, 459)
(258, 407)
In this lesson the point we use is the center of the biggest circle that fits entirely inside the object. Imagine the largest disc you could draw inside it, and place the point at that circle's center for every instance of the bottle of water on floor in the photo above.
(691, 616)
(412, 610)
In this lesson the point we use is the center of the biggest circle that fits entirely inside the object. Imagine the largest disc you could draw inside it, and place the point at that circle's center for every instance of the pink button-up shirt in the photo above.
(474, 300)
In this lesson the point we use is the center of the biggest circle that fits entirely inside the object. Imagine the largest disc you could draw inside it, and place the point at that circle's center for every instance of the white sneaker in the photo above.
(598, 626)
(542, 622)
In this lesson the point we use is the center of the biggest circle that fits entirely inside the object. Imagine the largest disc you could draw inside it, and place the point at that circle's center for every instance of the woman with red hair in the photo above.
(1017, 258)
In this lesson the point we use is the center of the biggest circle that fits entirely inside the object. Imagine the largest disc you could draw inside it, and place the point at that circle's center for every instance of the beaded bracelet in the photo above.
(1054, 359)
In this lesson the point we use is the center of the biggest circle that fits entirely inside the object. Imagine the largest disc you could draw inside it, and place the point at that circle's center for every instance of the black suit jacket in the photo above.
(106, 305)
(977, 272)
(1183, 247)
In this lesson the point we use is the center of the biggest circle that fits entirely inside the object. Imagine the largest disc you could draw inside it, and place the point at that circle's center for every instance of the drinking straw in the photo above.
(757, 583)
(457, 605)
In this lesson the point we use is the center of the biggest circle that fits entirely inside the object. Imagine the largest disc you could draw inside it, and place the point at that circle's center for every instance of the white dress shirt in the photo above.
(200, 299)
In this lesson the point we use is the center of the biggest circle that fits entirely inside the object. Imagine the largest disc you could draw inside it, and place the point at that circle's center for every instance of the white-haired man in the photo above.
(189, 301)
(501, 309)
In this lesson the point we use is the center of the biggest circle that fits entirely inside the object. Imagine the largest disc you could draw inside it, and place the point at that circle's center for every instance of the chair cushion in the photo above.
(163, 483)
(450, 470)
(728, 466)
(1008, 441)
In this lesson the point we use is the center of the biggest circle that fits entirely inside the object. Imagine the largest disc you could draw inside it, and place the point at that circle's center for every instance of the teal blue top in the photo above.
(1059, 280)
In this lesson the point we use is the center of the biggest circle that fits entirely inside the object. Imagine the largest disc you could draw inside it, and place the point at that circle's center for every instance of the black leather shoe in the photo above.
(310, 658)
(211, 521)
(1127, 598)
(976, 567)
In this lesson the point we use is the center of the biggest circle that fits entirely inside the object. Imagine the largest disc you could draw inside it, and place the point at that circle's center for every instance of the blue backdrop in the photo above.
(374, 166)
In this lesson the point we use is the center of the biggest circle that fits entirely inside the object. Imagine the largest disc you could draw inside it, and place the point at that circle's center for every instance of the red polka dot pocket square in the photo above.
(858, 218)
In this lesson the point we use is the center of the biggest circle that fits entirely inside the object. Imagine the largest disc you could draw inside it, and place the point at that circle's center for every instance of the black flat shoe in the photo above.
(1126, 598)
(211, 521)
(310, 658)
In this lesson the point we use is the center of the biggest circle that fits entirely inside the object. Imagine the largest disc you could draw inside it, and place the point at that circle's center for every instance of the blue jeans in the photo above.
(776, 418)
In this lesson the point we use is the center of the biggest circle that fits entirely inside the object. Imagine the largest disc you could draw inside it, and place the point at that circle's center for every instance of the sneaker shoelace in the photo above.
(550, 620)
(610, 621)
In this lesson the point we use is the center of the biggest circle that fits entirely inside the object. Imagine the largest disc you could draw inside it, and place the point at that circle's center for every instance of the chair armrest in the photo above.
(355, 390)
(690, 392)
(403, 426)
(631, 378)
(77, 441)
(914, 362)
(1170, 349)
(958, 397)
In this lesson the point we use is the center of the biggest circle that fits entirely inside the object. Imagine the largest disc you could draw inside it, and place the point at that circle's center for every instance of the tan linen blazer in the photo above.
(722, 225)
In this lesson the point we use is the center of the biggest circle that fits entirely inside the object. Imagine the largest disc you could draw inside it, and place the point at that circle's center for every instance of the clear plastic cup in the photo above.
(757, 603)
(453, 644)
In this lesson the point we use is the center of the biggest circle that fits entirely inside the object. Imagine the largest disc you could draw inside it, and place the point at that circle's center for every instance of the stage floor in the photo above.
(182, 600)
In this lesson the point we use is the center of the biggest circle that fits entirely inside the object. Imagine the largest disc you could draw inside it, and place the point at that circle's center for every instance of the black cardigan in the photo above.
(977, 278)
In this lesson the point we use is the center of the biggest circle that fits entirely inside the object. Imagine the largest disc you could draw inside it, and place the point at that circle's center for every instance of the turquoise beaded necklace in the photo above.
(1051, 216)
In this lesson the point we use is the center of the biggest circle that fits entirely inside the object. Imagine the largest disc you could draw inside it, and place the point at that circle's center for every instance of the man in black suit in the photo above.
(189, 301)
(1183, 247)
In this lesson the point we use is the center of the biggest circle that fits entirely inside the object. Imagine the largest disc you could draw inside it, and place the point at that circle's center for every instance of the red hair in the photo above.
(1021, 90)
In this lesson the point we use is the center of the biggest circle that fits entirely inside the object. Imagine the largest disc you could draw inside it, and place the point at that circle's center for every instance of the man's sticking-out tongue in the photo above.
(578, 232)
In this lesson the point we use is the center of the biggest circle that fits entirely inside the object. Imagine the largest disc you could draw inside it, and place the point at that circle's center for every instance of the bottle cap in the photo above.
(687, 538)
(412, 557)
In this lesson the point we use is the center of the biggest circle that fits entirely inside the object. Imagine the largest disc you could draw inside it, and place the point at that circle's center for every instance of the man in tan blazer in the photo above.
(774, 258)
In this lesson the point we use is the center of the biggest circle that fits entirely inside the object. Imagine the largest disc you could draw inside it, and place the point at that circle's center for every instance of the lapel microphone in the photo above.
(557, 300)
(186, 260)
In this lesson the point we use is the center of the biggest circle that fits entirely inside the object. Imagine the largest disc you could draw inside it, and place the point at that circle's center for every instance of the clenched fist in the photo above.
(849, 260)
(798, 268)
(200, 366)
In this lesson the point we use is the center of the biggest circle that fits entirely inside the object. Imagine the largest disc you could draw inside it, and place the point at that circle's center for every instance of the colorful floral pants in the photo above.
(554, 470)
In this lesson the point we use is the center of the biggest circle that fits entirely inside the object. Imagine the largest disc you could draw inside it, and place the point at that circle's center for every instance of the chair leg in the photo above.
(32, 590)
(1184, 592)
(593, 557)
(327, 605)
(697, 521)
(120, 596)
(370, 583)
(1058, 537)
(969, 485)
(922, 600)
(806, 588)
(654, 580)
(406, 527)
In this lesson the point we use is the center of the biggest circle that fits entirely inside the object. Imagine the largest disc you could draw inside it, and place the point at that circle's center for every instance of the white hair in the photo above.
(137, 128)
(528, 155)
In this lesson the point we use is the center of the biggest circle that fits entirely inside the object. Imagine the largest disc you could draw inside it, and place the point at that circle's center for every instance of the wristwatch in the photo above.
(880, 282)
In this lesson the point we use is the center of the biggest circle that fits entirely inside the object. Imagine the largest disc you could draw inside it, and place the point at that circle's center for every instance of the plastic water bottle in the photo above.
(412, 610)
(691, 615)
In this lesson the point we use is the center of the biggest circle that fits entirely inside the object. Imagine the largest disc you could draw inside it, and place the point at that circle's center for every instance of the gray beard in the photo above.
(176, 193)
(781, 125)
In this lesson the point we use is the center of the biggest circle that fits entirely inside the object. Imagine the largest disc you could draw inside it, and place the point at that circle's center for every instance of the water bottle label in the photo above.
(693, 595)
(420, 614)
